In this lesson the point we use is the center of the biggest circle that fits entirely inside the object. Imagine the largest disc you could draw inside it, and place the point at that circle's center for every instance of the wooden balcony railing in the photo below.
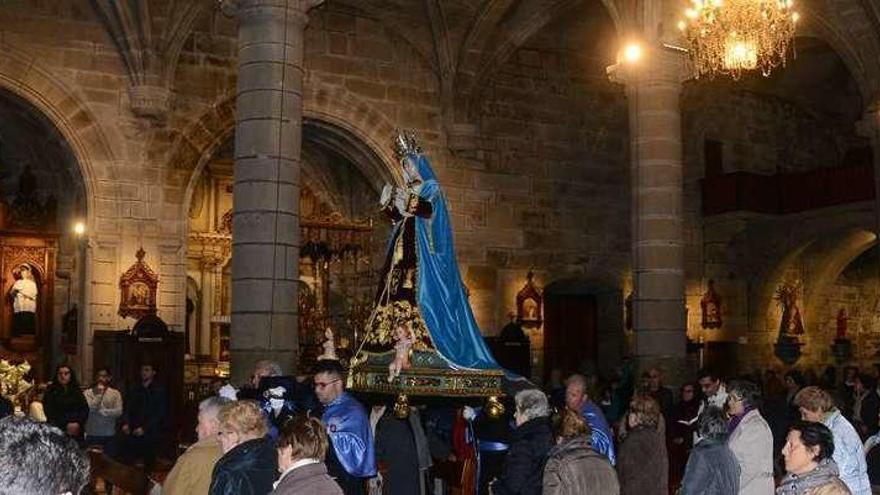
(787, 193)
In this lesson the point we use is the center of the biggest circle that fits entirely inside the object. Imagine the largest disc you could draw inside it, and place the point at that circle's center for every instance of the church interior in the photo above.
(608, 193)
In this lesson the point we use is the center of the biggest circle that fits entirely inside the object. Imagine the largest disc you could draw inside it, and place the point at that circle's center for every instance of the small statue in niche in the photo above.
(529, 302)
(404, 337)
(841, 324)
(24, 301)
(329, 346)
(710, 306)
(791, 324)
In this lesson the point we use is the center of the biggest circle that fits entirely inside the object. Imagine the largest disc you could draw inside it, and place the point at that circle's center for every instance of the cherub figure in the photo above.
(329, 346)
(404, 337)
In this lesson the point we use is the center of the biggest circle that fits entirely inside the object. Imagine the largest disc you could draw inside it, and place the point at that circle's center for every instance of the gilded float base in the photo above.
(370, 375)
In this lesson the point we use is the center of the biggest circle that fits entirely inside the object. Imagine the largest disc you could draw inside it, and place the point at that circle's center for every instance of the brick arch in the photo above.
(23, 76)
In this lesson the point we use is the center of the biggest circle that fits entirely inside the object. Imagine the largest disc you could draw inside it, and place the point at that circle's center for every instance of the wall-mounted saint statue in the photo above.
(710, 306)
(24, 294)
(791, 324)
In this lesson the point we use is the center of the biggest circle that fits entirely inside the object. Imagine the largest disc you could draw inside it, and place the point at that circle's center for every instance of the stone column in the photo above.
(206, 309)
(654, 92)
(268, 139)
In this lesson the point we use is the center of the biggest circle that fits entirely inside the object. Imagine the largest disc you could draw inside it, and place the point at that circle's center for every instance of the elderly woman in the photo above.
(529, 443)
(808, 462)
(750, 440)
(249, 463)
(711, 468)
(816, 405)
(302, 445)
(642, 464)
(573, 468)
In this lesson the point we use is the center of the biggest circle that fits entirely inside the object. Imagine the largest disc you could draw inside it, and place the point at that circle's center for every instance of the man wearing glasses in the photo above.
(351, 460)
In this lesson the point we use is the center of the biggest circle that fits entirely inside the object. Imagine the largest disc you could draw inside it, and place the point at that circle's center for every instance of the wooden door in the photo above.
(570, 333)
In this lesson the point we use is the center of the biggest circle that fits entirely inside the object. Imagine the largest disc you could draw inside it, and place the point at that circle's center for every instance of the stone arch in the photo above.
(349, 125)
(821, 239)
(477, 64)
(22, 76)
(821, 27)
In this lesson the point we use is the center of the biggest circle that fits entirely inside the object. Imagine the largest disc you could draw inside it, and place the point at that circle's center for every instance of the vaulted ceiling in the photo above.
(465, 41)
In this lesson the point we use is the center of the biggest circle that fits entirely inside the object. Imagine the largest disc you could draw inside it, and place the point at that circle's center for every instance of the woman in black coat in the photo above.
(249, 465)
(64, 403)
(712, 468)
(530, 442)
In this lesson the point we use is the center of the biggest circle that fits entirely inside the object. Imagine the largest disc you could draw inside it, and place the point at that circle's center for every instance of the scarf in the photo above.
(799, 484)
(735, 420)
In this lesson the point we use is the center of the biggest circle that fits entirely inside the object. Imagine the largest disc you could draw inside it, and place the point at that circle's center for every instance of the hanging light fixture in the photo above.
(734, 36)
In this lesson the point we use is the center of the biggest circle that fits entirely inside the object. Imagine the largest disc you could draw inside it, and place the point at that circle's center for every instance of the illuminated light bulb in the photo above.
(795, 17)
(682, 25)
(632, 53)
(690, 13)
(79, 228)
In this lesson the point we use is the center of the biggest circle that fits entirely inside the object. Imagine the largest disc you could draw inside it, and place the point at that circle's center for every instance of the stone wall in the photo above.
(762, 133)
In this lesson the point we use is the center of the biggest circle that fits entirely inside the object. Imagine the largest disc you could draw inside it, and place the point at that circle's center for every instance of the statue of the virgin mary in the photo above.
(421, 308)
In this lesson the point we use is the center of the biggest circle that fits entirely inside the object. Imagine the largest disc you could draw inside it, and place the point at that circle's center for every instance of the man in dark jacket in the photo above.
(529, 443)
(866, 405)
(143, 419)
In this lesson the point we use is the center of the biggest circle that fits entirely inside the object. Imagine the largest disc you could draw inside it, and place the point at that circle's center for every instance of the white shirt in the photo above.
(25, 291)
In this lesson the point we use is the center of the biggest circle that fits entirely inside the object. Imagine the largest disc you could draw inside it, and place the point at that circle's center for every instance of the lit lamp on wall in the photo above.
(734, 36)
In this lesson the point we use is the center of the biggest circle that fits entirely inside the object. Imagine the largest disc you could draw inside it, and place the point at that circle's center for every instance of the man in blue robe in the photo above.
(351, 458)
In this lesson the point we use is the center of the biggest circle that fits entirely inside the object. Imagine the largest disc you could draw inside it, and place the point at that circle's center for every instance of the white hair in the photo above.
(212, 405)
(531, 404)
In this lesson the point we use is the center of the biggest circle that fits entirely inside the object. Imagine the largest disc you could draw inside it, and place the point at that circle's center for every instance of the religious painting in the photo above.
(529, 304)
(710, 307)
(790, 324)
(138, 287)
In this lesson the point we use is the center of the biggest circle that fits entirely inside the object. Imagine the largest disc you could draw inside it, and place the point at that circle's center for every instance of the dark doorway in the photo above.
(570, 332)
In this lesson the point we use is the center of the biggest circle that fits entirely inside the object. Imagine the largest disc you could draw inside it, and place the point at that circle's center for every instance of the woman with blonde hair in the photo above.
(573, 467)
(249, 464)
(642, 463)
(817, 405)
(302, 445)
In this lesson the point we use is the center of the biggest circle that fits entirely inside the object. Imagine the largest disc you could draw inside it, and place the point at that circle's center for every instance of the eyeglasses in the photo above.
(325, 384)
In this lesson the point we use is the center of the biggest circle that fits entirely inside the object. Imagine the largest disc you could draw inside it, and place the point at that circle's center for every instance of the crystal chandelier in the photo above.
(732, 36)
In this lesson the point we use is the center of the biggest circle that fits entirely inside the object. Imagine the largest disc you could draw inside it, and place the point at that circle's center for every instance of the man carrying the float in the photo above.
(351, 458)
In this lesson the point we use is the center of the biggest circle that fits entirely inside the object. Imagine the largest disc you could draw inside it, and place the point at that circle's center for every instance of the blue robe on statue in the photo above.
(441, 295)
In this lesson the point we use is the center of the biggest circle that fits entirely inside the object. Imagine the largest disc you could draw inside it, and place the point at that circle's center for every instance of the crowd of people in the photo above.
(789, 435)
